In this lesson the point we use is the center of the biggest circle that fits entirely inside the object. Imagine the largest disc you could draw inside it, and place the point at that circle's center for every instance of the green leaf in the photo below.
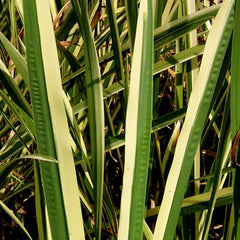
(116, 40)
(177, 28)
(23, 118)
(158, 67)
(7, 167)
(199, 103)
(138, 128)
(15, 145)
(199, 202)
(95, 109)
(13, 216)
(223, 150)
(59, 183)
(62, 139)
(235, 111)
(16, 57)
(13, 89)
(132, 16)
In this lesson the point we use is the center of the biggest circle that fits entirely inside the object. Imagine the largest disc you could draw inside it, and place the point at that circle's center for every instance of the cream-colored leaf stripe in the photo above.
(190, 134)
(59, 123)
(133, 139)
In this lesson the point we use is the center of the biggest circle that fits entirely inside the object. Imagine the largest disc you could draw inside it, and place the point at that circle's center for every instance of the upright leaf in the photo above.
(132, 16)
(138, 128)
(116, 40)
(59, 123)
(235, 112)
(95, 108)
(199, 103)
(58, 180)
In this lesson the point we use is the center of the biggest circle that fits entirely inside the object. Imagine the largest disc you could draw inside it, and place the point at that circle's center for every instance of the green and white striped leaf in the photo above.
(199, 103)
(53, 138)
(59, 124)
(95, 109)
(138, 128)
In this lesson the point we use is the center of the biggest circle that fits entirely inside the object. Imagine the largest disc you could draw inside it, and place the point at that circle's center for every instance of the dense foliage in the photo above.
(119, 119)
